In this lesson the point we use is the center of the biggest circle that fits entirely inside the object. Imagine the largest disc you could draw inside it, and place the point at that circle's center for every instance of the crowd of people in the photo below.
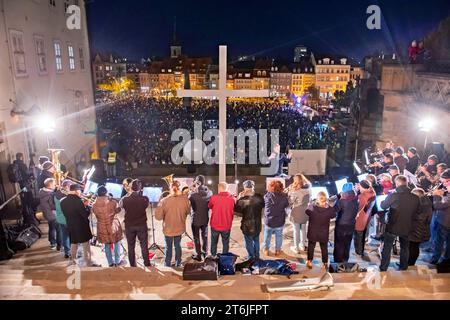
(139, 128)
(412, 213)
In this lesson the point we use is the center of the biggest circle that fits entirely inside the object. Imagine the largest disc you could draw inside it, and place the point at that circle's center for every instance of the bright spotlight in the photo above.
(47, 123)
(426, 124)
(236, 181)
(209, 182)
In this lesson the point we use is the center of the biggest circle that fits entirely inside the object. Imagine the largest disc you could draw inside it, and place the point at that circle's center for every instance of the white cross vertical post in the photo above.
(222, 94)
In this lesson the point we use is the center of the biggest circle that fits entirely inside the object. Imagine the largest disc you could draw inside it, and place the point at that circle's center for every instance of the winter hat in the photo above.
(445, 174)
(433, 157)
(43, 159)
(75, 187)
(412, 150)
(136, 185)
(47, 165)
(347, 187)
(102, 191)
(400, 150)
(66, 183)
(393, 167)
(365, 184)
(248, 184)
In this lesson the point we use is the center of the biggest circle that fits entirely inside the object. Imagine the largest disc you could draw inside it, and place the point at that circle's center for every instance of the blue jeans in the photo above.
(215, 239)
(442, 235)
(252, 246)
(53, 236)
(268, 231)
(299, 234)
(170, 242)
(65, 239)
(108, 252)
(434, 229)
(387, 250)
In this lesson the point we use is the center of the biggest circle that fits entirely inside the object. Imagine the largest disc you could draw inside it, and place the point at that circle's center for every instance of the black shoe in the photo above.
(197, 257)
(376, 238)
(397, 264)
(434, 262)
(67, 256)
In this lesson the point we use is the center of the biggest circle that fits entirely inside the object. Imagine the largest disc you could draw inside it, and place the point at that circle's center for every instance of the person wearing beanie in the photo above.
(403, 209)
(77, 217)
(399, 159)
(48, 170)
(427, 173)
(199, 199)
(347, 209)
(249, 206)
(109, 229)
(173, 211)
(413, 160)
(366, 201)
(299, 193)
(441, 203)
(60, 218)
(47, 206)
(394, 171)
(135, 206)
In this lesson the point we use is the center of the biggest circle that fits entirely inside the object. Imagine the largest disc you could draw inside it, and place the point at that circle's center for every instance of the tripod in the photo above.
(154, 246)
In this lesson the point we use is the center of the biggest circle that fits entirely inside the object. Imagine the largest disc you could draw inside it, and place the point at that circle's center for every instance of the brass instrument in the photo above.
(169, 180)
(89, 198)
(58, 175)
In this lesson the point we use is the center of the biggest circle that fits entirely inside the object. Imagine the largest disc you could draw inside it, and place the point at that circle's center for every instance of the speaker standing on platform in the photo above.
(109, 230)
(222, 212)
(403, 208)
(173, 211)
(200, 217)
(250, 206)
(135, 207)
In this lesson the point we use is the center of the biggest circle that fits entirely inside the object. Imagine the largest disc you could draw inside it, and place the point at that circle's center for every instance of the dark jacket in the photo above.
(275, 205)
(319, 222)
(403, 207)
(420, 231)
(442, 207)
(250, 208)
(347, 209)
(413, 164)
(199, 206)
(77, 217)
(47, 204)
(135, 207)
(42, 177)
(24, 172)
(401, 162)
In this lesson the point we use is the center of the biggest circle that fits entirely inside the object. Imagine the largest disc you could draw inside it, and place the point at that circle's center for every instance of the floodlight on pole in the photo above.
(47, 123)
(426, 125)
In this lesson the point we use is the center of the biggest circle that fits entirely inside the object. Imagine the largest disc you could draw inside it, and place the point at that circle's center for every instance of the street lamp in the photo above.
(47, 125)
(425, 126)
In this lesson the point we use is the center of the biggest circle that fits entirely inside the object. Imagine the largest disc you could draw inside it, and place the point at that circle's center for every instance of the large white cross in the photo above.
(222, 94)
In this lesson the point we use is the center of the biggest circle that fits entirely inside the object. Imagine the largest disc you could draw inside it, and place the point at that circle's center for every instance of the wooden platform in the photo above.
(40, 273)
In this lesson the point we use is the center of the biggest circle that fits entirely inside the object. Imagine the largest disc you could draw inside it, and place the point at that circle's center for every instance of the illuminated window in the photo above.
(18, 52)
(58, 58)
(71, 57)
(40, 55)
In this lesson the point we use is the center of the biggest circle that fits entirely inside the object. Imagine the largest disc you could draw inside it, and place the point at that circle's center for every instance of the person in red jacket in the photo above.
(222, 211)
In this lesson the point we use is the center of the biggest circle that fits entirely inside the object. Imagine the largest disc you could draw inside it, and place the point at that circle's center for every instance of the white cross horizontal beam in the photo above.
(223, 93)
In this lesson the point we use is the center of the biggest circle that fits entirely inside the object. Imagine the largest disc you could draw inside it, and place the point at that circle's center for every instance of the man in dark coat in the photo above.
(420, 231)
(403, 208)
(26, 197)
(135, 206)
(77, 217)
(441, 203)
(413, 160)
(48, 169)
(347, 209)
(200, 216)
(250, 206)
(399, 159)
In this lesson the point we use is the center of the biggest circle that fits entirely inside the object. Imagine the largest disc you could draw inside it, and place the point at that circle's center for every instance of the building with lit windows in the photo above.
(332, 74)
(45, 84)
(303, 77)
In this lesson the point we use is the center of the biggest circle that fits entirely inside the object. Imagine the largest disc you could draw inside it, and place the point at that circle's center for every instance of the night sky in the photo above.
(137, 29)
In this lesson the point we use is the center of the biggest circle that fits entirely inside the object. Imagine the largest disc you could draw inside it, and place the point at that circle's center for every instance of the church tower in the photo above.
(175, 47)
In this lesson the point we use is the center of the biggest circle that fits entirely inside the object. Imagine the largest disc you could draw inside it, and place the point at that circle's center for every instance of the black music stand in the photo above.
(154, 246)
